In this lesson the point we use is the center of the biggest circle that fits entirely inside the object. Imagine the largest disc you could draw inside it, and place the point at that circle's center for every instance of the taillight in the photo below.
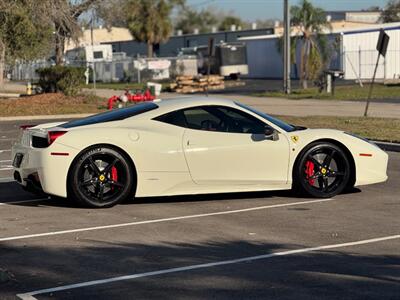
(23, 127)
(53, 135)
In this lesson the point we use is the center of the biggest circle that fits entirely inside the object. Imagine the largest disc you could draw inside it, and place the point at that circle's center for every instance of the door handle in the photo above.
(189, 143)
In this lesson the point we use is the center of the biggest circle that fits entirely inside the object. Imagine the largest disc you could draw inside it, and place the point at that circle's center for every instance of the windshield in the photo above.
(275, 121)
(112, 115)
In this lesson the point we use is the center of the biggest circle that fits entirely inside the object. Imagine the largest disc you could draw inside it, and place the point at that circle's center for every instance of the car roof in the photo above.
(173, 104)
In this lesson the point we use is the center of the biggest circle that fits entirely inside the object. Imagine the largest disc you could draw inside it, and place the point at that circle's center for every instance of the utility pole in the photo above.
(286, 48)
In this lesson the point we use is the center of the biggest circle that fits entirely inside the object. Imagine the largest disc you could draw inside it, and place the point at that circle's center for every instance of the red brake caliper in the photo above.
(114, 175)
(310, 172)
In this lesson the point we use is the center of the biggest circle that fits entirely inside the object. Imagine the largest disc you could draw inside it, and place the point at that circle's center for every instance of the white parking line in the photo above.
(8, 160)
(30, 295)
(23, 201)
(5, 150)
(227, 212)
(6, 179)
(6, 168)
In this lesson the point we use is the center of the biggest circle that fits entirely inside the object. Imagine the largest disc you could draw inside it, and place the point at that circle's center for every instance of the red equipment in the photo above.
(138, 97)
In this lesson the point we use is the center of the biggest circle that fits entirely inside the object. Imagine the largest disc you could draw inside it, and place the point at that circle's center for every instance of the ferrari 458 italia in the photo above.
(190, 146)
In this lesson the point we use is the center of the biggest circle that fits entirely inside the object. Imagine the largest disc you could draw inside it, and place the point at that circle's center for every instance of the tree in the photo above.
(311, 22)
(112, 13)
(391, 12)
(205, 19)
(372, 8)
(228, 21)
(190, 19)
(149, 21)
(63, 16)
(22, 34)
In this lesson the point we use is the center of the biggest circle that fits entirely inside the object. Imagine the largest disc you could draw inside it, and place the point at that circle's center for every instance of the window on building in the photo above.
(97, 54)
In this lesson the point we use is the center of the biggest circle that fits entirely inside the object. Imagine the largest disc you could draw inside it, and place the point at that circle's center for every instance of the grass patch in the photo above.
(382, 129)
(347, 92)
(51, 104)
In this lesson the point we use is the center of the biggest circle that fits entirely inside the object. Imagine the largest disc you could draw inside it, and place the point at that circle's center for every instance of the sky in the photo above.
(273, 9)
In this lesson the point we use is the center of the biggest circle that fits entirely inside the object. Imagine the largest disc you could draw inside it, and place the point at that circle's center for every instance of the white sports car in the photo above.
(190, 146)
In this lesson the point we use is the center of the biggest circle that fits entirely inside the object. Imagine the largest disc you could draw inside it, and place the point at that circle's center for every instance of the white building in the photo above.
(95, 53)
(100, 35)
(356, 53)
(371, 17)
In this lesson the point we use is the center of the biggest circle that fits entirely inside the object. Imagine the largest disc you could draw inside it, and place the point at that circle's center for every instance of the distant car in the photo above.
(190, 146)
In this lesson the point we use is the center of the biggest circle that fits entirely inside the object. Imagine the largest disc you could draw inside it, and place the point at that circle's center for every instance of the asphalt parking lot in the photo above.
(231, 246)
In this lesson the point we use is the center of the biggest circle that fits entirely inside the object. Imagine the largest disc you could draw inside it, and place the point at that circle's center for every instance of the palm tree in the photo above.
(149, 21)
(310, 22)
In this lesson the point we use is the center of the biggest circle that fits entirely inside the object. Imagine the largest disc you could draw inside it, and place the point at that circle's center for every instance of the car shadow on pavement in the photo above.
(13, 194)
(70, 203)
(210, 197)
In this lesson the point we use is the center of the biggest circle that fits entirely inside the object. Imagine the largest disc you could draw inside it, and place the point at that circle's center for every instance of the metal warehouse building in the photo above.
(355, 53)
(176, 42)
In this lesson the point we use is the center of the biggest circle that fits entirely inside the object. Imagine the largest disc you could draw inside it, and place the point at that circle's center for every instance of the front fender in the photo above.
(370, 162)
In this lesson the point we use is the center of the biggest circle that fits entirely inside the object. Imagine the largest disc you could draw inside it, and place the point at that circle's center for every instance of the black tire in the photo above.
(101, 176)
(323, 171)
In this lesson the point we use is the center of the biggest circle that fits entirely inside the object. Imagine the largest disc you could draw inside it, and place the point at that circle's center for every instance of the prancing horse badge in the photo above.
(295, 138)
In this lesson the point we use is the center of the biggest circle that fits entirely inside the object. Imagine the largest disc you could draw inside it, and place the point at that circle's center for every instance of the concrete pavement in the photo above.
(308, 107)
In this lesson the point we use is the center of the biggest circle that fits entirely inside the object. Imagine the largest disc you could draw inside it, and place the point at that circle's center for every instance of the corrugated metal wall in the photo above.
(264, 59)
(356, 56)
(360, 55)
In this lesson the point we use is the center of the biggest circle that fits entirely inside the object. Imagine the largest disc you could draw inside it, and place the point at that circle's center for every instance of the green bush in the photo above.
(61, 79)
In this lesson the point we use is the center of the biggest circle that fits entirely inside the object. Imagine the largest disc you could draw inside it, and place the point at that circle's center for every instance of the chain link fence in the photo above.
(118, 70)
(361, 64)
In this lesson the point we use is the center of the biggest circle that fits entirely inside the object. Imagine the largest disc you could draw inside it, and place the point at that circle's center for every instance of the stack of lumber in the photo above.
(194, 84)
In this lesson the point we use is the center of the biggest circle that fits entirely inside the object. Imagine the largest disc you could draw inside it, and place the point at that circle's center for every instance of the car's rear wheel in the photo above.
(322, 171)
(101, 177)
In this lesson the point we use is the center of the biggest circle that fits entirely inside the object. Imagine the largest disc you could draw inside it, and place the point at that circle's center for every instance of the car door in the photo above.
(223, 145)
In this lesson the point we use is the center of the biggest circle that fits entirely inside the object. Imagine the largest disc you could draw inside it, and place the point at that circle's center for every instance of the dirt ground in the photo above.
(51, 103)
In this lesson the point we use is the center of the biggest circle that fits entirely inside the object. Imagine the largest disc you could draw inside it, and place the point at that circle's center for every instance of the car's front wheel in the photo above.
(101, 176)
(322, 171)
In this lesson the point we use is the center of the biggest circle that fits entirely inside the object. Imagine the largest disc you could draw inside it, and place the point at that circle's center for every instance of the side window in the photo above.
(174, 118)
(203, 119)
(240, 122)
(214, 118)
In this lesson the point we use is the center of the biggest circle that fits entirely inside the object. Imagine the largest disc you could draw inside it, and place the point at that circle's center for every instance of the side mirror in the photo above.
(271, 134)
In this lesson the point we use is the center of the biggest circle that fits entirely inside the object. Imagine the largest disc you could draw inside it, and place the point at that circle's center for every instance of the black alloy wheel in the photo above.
(323, 171)
(101, 177)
